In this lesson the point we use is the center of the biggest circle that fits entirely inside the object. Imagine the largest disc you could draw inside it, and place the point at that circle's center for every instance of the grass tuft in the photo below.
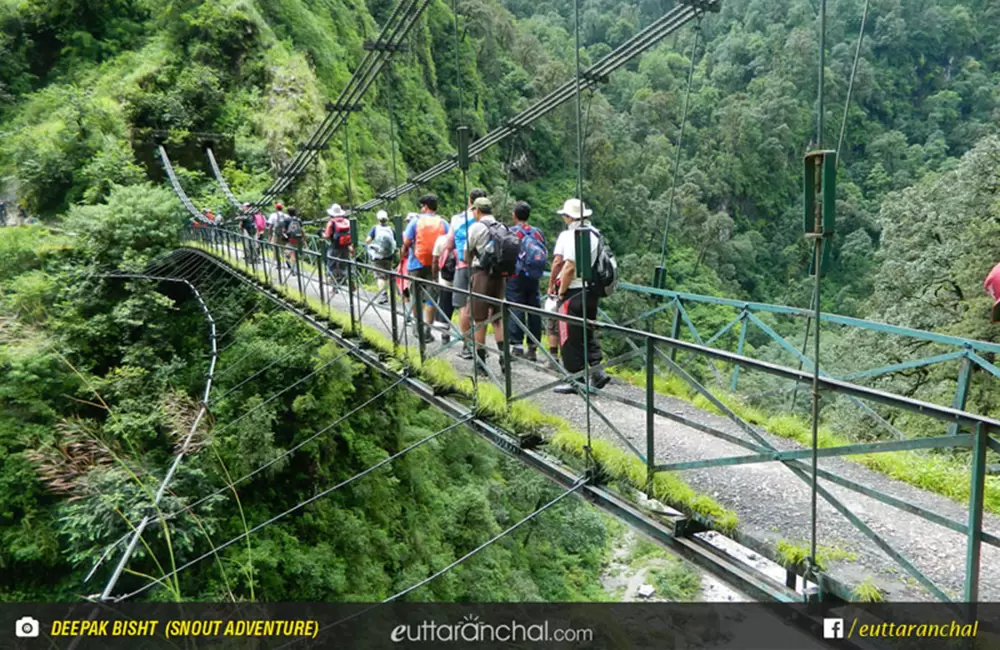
(667, 487)
(793, 555)
(867, 592)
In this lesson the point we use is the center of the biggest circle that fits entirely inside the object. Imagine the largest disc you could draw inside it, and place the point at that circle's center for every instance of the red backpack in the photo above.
(338, 231)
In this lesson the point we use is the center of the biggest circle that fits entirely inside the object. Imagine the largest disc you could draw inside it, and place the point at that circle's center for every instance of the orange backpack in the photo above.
(429, 228)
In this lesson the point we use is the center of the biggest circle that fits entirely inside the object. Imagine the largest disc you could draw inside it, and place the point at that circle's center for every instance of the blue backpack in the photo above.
(534, 257)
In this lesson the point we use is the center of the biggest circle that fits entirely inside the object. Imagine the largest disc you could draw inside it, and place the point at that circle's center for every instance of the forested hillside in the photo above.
(84, 82)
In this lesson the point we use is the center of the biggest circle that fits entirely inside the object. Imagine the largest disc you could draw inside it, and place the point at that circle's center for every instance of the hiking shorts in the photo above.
(384, 265)
(487, 285)
(428, 291)
(461, 284)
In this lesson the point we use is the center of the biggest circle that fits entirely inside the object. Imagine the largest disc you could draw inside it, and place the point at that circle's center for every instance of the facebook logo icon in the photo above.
(833, 628)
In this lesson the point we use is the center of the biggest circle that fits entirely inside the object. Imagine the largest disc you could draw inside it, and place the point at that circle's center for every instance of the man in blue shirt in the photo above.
(523, 288)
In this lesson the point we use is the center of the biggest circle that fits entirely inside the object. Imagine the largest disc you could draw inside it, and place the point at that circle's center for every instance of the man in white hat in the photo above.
(381, 244)
(340, 246)
(571, 289)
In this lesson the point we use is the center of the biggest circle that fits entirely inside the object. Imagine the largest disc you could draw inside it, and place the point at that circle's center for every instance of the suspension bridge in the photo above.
(913, 544)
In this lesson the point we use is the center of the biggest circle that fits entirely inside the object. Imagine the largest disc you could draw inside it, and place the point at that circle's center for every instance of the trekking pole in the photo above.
(392, 308)
(350, 293)
(505, 323)
(419, 316)
(319, 272)
(298, 268)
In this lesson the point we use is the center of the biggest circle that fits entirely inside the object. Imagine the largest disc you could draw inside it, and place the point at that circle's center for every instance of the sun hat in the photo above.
(382, 215)
(483, 203)
(571, 209)
(335, 210)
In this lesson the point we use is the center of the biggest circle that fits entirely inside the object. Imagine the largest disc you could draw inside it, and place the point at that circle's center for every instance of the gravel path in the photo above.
(771, 501)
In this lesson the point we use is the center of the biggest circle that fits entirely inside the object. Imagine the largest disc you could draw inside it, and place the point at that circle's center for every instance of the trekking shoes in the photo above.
(532, 354)
(598, 380)
(466, 353)
(517, 351)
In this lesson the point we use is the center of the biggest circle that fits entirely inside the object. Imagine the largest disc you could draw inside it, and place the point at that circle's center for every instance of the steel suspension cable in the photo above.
(178, 190)
(280, 359)
(504, 533)
(333, 115)
(638, 44)
(583, 213)
(295, 508)
(817, 262)
(221, 180)
(680, 144)
(489, 542)
(850, 84)
(137, 534)
(457, 44)
(232, 484)
(362, 80)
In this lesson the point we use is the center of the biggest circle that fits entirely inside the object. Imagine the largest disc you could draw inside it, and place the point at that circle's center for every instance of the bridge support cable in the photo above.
(437, 574)
(337, 111)
(288, 452)
(181, 194)
(221, 180)
(137, 533)
(295, 508)
(641, 42)
(397, 27)
(850, 84)
(489, 542)
(680, 147)
(462, 143)
(299, 348)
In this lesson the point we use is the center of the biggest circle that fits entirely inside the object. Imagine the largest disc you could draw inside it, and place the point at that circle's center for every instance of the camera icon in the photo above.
(26, 628)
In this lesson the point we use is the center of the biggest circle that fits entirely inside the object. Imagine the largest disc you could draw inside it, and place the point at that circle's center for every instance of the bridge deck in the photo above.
(772, 503)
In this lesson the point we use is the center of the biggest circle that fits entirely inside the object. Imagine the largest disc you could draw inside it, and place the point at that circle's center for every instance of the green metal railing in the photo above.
(310, 277)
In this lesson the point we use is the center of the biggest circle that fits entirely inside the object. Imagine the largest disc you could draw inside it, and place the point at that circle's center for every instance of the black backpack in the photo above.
(293, 228)
(605, 270)
(499, 255)
(448, 269)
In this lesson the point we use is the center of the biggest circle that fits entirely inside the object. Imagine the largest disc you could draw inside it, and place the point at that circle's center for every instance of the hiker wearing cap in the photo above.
(490, 261)
(291, 235)
(274, 222)
(571, 290)
(457, 246)
(418, 248)
(523, 287)
(248, 228)
(340, 246)
(381, 243)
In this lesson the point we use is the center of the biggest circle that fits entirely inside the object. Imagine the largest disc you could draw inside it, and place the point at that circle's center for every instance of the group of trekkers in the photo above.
(476, 251)
(473, 251)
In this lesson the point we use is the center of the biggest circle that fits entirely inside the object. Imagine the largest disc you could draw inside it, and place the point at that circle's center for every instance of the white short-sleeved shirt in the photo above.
(566, 247)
